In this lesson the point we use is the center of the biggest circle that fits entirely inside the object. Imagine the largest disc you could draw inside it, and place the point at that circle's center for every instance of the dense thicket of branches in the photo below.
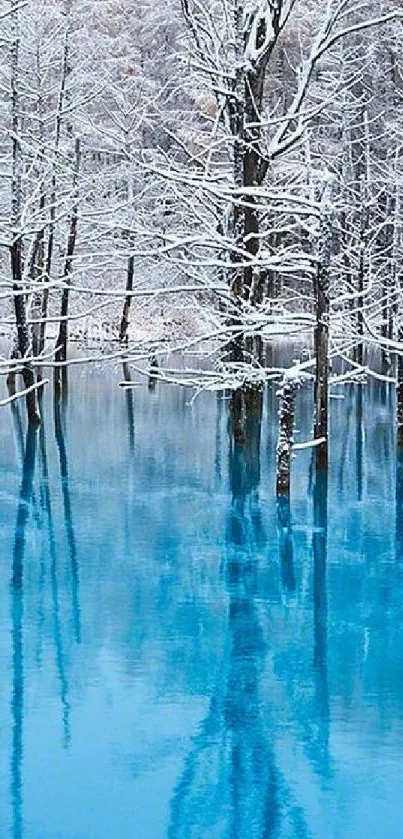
(217, 140)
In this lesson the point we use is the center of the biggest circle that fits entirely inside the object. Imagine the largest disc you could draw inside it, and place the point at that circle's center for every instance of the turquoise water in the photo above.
(176, 663)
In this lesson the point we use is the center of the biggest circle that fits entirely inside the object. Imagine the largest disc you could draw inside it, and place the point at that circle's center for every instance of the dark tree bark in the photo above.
(245, 409)
(244, 111)
(16, 249)
(153, 374)
(322, 305)
(36, 270)
(124, 324)
(61, 353)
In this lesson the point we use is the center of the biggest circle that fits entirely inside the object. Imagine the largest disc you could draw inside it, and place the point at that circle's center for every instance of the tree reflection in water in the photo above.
(17, 610)
(320, 741)
(284, 528)
(399, 505)
(231, 785)
(130, 406)
(59, 407)
(46, 503)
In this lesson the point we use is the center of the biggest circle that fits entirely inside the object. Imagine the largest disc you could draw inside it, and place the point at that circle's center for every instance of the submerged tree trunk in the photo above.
(285, 437)
(283, 480)
(153, 373)
(245, 408)
(130, 406)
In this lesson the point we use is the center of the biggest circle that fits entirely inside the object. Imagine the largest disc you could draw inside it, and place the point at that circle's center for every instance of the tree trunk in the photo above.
(283, 481)
(285, 437)
(364, 179)
(322, 303)
(52, 202)
(23, 341)
(246, 408)
(36, 275)
(236, 228)
(61, 353)
(124, 324)
(360, 308)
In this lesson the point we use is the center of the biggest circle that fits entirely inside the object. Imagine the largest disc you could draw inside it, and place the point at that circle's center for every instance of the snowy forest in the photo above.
(201, 357)
(209, 174)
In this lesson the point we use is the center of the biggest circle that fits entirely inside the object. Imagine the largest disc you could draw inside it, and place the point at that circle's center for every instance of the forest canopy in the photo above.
(204, 173)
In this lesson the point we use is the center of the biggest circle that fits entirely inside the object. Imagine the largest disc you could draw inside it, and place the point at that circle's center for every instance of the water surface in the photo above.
(175, 662)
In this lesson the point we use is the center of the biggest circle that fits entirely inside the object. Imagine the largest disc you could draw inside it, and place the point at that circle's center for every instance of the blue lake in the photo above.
(174, 663)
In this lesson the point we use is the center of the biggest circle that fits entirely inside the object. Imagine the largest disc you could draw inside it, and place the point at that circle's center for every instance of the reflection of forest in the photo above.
(159, 544)
(41, 511)
(232, 784)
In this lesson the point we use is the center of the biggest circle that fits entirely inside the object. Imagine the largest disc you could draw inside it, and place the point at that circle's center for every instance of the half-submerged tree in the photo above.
(286, 412)
(23, 343)
(224, 199)
(285, 436)
(285, 440)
